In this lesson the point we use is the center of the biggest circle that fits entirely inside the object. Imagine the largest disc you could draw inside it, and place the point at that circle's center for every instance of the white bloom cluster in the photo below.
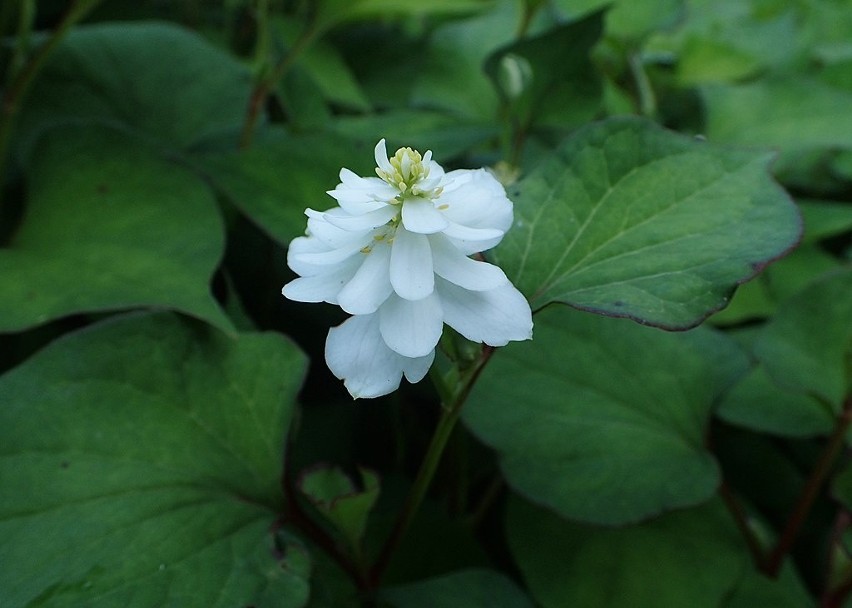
(394, 254)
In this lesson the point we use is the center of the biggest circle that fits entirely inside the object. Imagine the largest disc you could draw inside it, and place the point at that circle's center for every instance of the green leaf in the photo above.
(446, 135)
(337, 497)
(758, 402)
(140, 467)
(628, 20)
(465, 589)
(825, 219)
(452, 77)
(689, 558)
(755, 589)
(325, 66)
(709, 60)
(109, 225)
(549, 80)
(627, 219)
(807, 346)
(156, 79)
(603, 420)
(792, 114)
(282, 174)
(334, 12)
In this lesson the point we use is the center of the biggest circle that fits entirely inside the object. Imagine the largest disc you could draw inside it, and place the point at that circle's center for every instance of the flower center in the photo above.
(408, 170)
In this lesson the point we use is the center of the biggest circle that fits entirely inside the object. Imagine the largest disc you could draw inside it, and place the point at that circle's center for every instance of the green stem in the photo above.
(266, 83)
(26, 19)
(647, 98)
(17, 91)
(450, 413)
(741, 519)
(810, 492)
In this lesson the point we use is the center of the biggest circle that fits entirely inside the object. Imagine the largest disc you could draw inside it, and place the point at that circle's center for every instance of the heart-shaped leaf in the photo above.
(696, 556)
(603, 420)
(630, 220)
(157, 80)
(464, 589)
(140, 467)
(807, 346)
(109, 225)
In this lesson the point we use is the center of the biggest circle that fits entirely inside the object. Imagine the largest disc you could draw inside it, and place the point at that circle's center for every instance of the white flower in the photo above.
(394, 253)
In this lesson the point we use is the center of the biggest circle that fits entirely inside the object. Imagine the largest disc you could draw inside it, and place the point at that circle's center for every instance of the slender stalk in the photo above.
(647, 98)
(810, 492)
(266, 83)
(741, 519)
(450, 413)
(18, 88)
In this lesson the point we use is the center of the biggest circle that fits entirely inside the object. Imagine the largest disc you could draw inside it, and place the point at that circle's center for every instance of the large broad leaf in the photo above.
(464, 589)
(157, 79)
(140, 467)
(807, 346)
(690, 558)
(630, 220)
(604, 420)
(109, 225)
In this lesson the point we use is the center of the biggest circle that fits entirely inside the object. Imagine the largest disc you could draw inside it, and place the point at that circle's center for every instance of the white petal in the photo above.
(419, 215)
(411, 328)
(411, 271)
(321, 287)
(332, 256)
(371, 284)
(473, 240)
(415, 368)
(475, 198)
(494, 317)
(306, 246)
(320, 228)
(356, 353)
(381, 155)
(364, 221)
(453, 265)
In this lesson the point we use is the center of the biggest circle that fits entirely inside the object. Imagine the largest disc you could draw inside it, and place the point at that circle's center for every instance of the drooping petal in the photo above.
(454, 266)
(333, 256)
(411, 272)
(335, 238)
(415, 368)
(321, 287)
(370, 286)
(365, 221)
(473, 240)
(494, 317)
(419, 215)
(411, 328)
(476, 199)
(356, 353)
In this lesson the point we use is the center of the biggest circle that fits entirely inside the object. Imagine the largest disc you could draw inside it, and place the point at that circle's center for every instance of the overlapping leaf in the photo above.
(690, 558)
(807, 347)
(464, 589)
(140, 467)
(627, 219)
(601, 419)
(109, 224)
(161, 81)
